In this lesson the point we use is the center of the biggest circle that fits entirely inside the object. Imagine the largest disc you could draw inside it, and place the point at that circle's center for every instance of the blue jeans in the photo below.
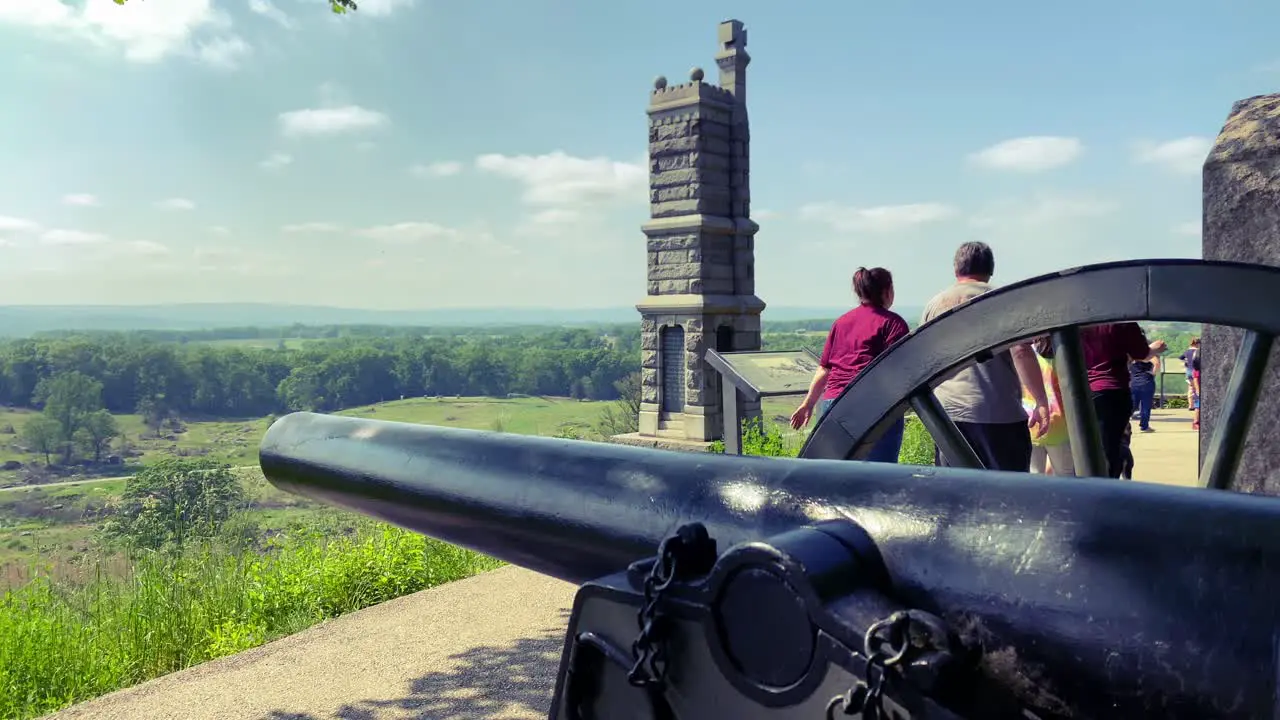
(1143, 397)
(887, 448)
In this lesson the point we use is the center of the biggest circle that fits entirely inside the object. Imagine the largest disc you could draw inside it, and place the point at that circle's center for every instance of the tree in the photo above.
(42, 434)
(154, 411)
(622, 416)
(97, 432)
(69, 398)
(338, 6)
(174, 501)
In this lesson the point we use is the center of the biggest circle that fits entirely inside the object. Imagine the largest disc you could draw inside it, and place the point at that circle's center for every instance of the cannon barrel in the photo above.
(1090, 592)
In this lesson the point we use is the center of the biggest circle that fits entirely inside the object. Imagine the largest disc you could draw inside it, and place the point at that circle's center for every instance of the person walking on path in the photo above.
(1051, 452)
(1188, 359)
(1107, 352)
(984, 400)
(1195, 383)
(856, 338)
(1142, 389)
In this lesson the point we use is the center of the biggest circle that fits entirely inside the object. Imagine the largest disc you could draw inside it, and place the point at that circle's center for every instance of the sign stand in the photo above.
(755, 374)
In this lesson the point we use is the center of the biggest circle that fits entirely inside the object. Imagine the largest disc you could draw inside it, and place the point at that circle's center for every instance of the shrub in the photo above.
(769, 441)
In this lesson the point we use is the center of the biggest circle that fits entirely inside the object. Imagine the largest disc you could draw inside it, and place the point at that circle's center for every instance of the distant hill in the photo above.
(22, 320)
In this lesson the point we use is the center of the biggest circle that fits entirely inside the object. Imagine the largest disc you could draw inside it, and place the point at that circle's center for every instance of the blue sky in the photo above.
(420, 153)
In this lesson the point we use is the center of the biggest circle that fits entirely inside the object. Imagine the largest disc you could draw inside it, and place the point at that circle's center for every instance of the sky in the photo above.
(431, 154)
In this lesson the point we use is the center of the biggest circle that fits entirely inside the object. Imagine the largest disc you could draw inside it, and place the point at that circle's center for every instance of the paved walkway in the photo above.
(1171, 454)
(485, 648)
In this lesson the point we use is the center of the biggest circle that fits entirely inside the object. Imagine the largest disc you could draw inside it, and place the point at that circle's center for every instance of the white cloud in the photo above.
(311, 227)
(144, 247)
(420, 233)
(143, 32)
(1029, 154)
(176, 204)
(1183, 156)
(330, 121)
(1043, 211)
(381, 8)
(224, 53)
(408, 232)
(15, 224)
(559, 179)
(72, 237)
(219, 230)
(555, 216)
(81, 200)
(882, 219)
(1191, 228)
(277, 161)
(765, 214)
(436, 169)
(271, 12)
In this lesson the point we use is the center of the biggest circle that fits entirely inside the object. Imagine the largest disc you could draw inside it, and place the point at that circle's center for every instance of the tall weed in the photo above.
(61, 644)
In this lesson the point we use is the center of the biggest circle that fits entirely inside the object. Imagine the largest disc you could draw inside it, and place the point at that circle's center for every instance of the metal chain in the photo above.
(650, 653)
(888, 643)
(689, 551)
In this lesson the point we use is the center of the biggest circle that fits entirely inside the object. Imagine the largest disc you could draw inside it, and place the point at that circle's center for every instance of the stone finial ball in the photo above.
(660, 83)
(696, 74)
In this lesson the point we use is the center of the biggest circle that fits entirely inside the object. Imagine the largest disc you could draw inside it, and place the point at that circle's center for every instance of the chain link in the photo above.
(690, 551)
(650, 653)
(887, 641)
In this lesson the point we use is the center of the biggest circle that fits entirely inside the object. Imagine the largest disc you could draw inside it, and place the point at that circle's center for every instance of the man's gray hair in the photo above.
(975, 259)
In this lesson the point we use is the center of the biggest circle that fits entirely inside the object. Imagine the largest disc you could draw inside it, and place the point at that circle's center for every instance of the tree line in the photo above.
(133, 374)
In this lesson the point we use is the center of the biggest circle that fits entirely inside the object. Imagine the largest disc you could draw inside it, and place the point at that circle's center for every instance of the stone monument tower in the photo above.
(701, 246)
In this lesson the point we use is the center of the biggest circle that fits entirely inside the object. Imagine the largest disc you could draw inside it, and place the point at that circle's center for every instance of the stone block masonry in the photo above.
(701, 246)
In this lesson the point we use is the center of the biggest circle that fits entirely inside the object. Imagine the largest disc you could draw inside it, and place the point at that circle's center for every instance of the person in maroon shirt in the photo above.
(856, 338)
(1107, 351)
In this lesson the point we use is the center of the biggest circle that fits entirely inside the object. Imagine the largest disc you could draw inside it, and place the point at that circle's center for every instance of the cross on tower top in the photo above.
(733, 36)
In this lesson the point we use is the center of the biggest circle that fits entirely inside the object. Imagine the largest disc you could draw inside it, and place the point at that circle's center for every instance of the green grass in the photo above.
(56, 524)
(62, 642)
(524, 416)
(236, 441)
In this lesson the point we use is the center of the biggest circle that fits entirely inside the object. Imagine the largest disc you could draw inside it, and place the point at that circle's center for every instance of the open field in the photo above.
(56, 524)
(236, 442)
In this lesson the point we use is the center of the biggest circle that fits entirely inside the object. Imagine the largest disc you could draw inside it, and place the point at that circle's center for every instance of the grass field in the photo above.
(55, 525)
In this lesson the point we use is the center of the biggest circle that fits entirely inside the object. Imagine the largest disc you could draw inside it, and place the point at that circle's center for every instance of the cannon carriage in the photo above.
(717, 586)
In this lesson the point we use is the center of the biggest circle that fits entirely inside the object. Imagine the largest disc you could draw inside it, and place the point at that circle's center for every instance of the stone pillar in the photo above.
(1242, 223)
(701, 247)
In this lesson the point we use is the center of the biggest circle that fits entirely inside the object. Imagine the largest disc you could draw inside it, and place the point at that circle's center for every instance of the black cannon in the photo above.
(739, 587)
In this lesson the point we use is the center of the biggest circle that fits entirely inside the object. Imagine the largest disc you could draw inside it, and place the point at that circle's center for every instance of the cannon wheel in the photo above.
(1222, 293)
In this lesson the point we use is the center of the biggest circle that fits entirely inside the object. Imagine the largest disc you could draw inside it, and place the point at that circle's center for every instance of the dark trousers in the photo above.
(1114, 407)
(1143, 397)
(1000, 446)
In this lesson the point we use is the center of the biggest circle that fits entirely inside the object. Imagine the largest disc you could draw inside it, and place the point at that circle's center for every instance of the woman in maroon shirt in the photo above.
(1107, 352)
(857, 337)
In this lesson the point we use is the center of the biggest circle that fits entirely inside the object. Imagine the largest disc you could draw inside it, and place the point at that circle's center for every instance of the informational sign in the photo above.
(768, 373)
